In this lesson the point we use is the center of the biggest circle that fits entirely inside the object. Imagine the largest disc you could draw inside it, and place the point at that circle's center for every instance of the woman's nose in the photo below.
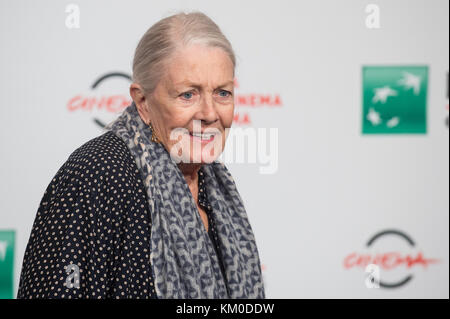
(208, 111)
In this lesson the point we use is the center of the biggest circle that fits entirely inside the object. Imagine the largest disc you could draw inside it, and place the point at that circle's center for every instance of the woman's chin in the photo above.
(202, 158)
(189, 154)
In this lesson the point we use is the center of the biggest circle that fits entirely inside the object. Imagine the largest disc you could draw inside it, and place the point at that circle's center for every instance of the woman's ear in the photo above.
(138, 96)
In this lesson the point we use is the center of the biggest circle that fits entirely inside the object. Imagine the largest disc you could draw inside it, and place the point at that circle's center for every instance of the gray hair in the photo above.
(159, 43)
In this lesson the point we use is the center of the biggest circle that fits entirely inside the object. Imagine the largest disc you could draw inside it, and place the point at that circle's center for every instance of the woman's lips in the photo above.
(202, 138)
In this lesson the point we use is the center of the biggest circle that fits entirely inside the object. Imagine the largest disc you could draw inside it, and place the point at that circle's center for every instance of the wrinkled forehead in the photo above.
(200, 65)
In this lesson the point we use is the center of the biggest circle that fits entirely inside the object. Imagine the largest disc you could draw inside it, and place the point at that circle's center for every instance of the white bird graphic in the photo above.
(410, 81)
(393, 122)
(381, 94)
(373, 117)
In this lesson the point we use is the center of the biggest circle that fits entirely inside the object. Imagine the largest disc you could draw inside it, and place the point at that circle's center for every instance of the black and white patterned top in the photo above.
(91, 234)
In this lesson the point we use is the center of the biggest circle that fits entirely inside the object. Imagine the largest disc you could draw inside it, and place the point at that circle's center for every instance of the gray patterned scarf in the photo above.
(183, 259)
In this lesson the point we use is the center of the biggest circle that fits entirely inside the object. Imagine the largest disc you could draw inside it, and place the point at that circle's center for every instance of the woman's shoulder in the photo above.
(102, 156)
(103, 149)
(103, 162)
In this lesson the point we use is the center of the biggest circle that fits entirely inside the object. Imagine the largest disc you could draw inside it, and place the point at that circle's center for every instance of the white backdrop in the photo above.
(335, 187)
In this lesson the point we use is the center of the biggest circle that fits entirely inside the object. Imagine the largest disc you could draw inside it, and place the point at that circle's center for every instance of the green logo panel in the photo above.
(394, 99)
(7, 242)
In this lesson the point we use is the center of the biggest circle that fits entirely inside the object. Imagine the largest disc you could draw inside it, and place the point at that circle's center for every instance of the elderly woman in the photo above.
(146, 210)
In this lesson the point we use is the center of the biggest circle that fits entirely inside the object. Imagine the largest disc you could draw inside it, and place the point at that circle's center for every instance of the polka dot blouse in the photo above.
(91, 234)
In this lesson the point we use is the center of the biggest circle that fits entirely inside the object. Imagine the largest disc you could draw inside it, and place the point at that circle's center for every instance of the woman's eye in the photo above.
(187, 95)
(224, 93)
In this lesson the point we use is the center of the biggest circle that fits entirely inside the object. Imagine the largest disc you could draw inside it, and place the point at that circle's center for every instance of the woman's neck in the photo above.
(190, 173)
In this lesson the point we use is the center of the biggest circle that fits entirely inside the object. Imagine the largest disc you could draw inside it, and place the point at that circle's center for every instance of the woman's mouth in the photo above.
(202, 137)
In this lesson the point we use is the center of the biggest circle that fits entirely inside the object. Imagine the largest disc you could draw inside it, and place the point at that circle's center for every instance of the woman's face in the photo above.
(194, 103)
